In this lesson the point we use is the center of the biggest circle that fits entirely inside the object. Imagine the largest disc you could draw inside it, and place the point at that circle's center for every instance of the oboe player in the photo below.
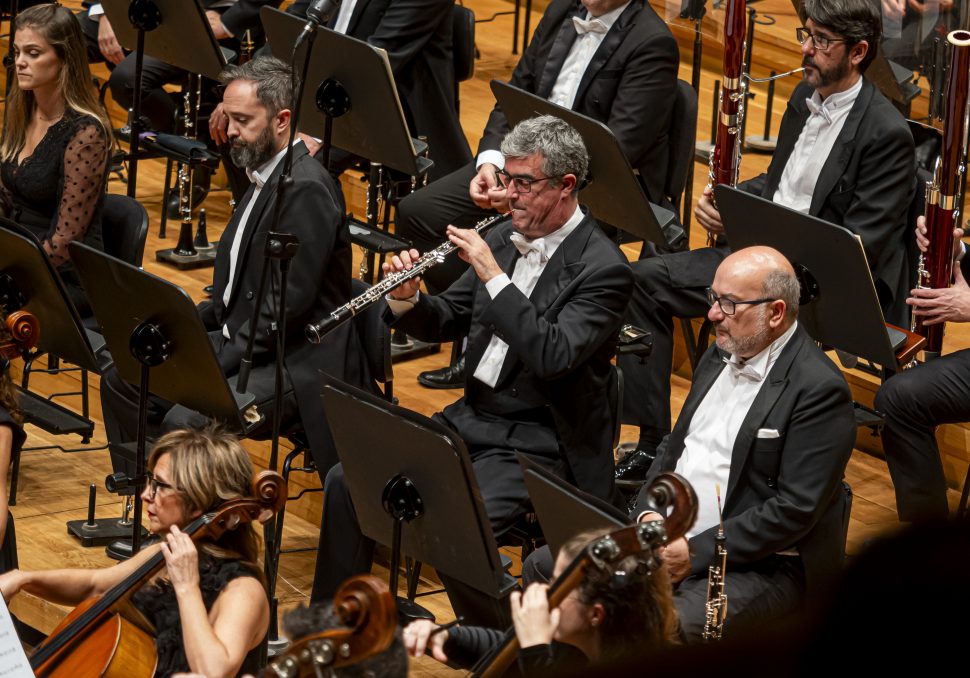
(541, 303)
(844, 154)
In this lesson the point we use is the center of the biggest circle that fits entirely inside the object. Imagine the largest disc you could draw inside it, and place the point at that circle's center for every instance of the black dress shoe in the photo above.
(634, 468)
(452, 376)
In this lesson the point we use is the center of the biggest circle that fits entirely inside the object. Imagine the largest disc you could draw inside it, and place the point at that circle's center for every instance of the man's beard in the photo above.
(833, 74)
(745, 346)
(253, 155)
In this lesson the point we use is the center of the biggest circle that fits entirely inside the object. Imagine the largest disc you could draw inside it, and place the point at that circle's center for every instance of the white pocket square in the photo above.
(767, 433)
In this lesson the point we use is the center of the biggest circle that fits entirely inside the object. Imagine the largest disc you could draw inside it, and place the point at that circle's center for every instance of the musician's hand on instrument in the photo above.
(535, 623)
(676, 558)
(108, 42)
(474, 250)
(498, 199)
(707, 215)
(218, 124)
(312, 144)
(947, 304)
(181, 560)
(416, 637)
(215, 23)
(403, 261)
(481, 183)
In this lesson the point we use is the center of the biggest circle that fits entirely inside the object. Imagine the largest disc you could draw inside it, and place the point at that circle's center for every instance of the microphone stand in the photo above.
(282, 246)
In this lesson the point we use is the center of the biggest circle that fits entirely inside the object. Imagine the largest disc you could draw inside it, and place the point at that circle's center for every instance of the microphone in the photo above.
(320, 11)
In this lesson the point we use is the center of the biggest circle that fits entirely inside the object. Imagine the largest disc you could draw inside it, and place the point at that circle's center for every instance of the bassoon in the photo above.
(725, 157)
(943, 196)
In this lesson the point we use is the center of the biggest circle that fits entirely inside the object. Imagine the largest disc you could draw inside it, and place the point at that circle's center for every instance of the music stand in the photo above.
(845, 313)
(563, 509)
(613, 192)
(430, 466)
(174, 31)
(153, 330)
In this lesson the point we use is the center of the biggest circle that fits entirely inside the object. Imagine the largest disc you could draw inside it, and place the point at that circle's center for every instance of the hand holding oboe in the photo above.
(403, 261)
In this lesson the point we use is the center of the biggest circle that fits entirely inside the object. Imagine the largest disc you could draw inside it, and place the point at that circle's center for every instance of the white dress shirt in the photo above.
(343, 15)
(709, 444)
(813, 146)
(259, 178)
(591, 32)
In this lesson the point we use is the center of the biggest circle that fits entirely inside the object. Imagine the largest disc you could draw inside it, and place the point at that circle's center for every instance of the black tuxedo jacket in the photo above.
(557, 371)
(629, 85)
(866, 185)
(417, 35)
(318, 282)
(783, 491)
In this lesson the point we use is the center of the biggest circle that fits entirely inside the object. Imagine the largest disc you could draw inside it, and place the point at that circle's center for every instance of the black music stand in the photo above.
(845, 313)
(154, 331)
(178, 33)
(563, 509)
(613, 192)
(421, 497)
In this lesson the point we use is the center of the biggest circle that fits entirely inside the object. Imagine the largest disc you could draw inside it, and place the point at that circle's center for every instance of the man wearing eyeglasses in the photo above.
(844, 154)
(542, 302)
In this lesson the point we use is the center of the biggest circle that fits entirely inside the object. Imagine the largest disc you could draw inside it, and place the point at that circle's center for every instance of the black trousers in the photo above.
(757, 594)
(668, 286)
(914, 402)
(423, 216)
(345, 551)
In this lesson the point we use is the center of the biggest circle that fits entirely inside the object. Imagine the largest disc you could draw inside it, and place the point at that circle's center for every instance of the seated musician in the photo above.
(612, 60)
(915, 401)
(208, 604)
(769, 421)
(12, 437)
(608, 618)
(844, 154)
(541, 304)
(53, 155)
(256, 99)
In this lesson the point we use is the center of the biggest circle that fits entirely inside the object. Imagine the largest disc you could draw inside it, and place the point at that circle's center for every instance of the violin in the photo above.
(667, 491)
(366, 607)
(24, 330)
(106, 635)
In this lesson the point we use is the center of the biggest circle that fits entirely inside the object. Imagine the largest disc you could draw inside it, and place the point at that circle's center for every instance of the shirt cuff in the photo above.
(494, 157)
(963, 251)
(497, 284)
(401, 306)
(95, 10)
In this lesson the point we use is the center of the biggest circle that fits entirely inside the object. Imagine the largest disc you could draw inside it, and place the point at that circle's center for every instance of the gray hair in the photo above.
(780, 284)
(562, 148)
(273, 78)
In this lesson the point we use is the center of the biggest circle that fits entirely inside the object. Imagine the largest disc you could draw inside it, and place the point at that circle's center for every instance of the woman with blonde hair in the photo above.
(208, 604)
(55, 145)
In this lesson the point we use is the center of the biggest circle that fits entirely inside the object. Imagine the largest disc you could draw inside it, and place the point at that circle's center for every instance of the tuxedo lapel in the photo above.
(704, 377)
(505, 256)
(220, 275)
(610, 43)
(557, 53)
(786, 144)
(355, 16)
(841, 153)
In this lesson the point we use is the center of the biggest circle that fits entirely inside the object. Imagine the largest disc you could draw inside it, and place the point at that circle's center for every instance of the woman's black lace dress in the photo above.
(160, 606)
(58, 190)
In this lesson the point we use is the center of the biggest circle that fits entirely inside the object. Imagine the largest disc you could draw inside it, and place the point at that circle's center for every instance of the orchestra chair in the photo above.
(462, 47)
(375, 340)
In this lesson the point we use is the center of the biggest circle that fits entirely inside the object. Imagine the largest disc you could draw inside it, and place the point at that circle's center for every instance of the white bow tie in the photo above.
(526, 246)
(746, 371)
(584, 26)
(819, 109)
(255, 178)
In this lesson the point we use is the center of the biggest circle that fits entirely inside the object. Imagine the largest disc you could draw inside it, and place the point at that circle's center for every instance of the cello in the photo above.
(105, 635)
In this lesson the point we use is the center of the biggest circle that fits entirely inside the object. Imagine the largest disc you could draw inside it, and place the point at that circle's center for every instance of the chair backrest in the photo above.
(681, 136)
(374, 335)
(124, 228)
(463, 42)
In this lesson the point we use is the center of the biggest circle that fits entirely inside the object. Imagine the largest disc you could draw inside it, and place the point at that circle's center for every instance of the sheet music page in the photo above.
(13, 659)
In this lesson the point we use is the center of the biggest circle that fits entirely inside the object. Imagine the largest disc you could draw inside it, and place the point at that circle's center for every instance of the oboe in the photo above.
(315, 332)
(943, 192)
(715, 610)
(725, 157)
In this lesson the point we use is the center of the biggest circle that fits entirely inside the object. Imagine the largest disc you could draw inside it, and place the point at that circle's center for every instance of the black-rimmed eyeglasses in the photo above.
(153, 483)
(521, 184)
(819, 42)
(730, 306)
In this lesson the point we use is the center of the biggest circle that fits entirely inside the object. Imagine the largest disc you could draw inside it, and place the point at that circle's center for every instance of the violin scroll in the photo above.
(671, 491)
(24, 330)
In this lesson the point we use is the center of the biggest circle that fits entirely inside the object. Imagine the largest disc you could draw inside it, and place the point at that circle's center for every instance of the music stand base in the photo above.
(415, 348)
(408, 611)
(275, 648)
(759, 144)
(200, 259)
(120, 549)
(702, 151)
(103, 531)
